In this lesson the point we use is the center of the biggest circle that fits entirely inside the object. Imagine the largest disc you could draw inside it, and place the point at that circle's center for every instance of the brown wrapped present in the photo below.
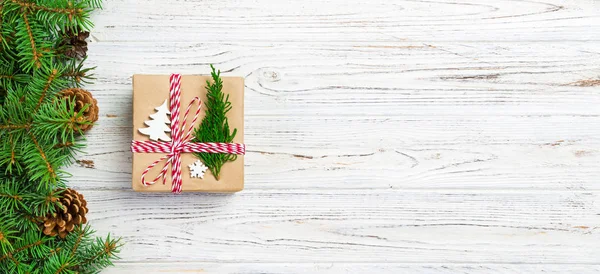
(152, 126)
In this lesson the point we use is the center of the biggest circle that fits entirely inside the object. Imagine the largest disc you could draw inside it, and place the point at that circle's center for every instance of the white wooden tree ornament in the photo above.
(197, 169)
(158, 126)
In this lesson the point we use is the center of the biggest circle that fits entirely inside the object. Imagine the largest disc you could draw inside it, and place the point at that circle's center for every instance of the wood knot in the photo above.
(86, 163)
(270, 75)
(586, 83)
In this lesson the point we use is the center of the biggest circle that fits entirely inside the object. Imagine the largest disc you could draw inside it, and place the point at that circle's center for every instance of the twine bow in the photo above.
(179, 144)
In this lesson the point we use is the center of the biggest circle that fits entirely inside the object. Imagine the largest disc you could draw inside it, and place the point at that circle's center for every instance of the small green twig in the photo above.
(215, 126)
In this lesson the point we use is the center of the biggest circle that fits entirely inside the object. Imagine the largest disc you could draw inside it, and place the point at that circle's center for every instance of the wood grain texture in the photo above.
(376, 226)
(335, 20)
(373, 79)
(391, 268)
(391, 137)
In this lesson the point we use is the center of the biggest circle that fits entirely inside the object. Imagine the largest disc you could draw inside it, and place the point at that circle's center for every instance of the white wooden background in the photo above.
(408, 136)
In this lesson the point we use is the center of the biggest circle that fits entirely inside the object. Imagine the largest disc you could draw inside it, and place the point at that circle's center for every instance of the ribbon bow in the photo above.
(179, 144)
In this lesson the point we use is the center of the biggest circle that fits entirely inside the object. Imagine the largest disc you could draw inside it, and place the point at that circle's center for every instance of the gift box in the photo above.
(155, 148)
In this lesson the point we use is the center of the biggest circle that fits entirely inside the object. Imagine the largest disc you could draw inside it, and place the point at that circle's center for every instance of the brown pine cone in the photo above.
(69, 213)
(75, 44)
(83, 97)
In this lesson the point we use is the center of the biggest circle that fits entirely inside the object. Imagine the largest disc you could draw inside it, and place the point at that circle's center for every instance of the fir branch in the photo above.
(71, 12)
(77, 73)
(2, 40)
(63, 145)
(12, 200)
(6, 235)
(40, 136)
(44, 86)
(54, 251)
(51, 199)
(107, 250)
(215, 125)
(49, 82)
(14, 197)
(51, 170)
(8, 78)
(78, 241)
(10, 254)
(11, 197)
(36, 55)
(25, 126)
(13, 154)
(62, 267)
(60, 262)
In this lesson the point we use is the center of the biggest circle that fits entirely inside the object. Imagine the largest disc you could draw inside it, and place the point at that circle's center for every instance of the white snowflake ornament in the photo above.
(197, 169)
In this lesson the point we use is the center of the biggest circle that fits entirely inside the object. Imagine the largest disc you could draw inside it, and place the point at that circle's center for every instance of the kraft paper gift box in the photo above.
(149, 92)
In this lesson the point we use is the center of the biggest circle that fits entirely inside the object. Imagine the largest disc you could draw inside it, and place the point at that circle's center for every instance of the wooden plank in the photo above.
(371, 79)
(341, 20)
(381, 268)
(378, 226)
(380, 153)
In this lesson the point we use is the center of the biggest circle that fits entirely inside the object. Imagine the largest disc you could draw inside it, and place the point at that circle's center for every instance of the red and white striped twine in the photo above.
(178, 143)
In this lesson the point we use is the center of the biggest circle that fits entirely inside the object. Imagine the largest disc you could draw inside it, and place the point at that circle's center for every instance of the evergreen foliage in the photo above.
(39, 135)
(215, 126)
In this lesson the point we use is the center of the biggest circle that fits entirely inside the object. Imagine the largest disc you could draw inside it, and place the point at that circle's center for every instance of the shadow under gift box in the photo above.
(149, 92)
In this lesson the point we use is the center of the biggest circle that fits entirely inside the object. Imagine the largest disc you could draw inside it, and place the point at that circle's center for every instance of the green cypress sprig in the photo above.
(215, 126)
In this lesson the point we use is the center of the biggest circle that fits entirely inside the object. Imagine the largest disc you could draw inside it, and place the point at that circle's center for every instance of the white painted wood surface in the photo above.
(390, 137)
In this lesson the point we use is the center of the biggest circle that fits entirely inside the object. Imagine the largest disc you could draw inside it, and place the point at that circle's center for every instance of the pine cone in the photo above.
(83, 97)
(70, 213)
(75, 44)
